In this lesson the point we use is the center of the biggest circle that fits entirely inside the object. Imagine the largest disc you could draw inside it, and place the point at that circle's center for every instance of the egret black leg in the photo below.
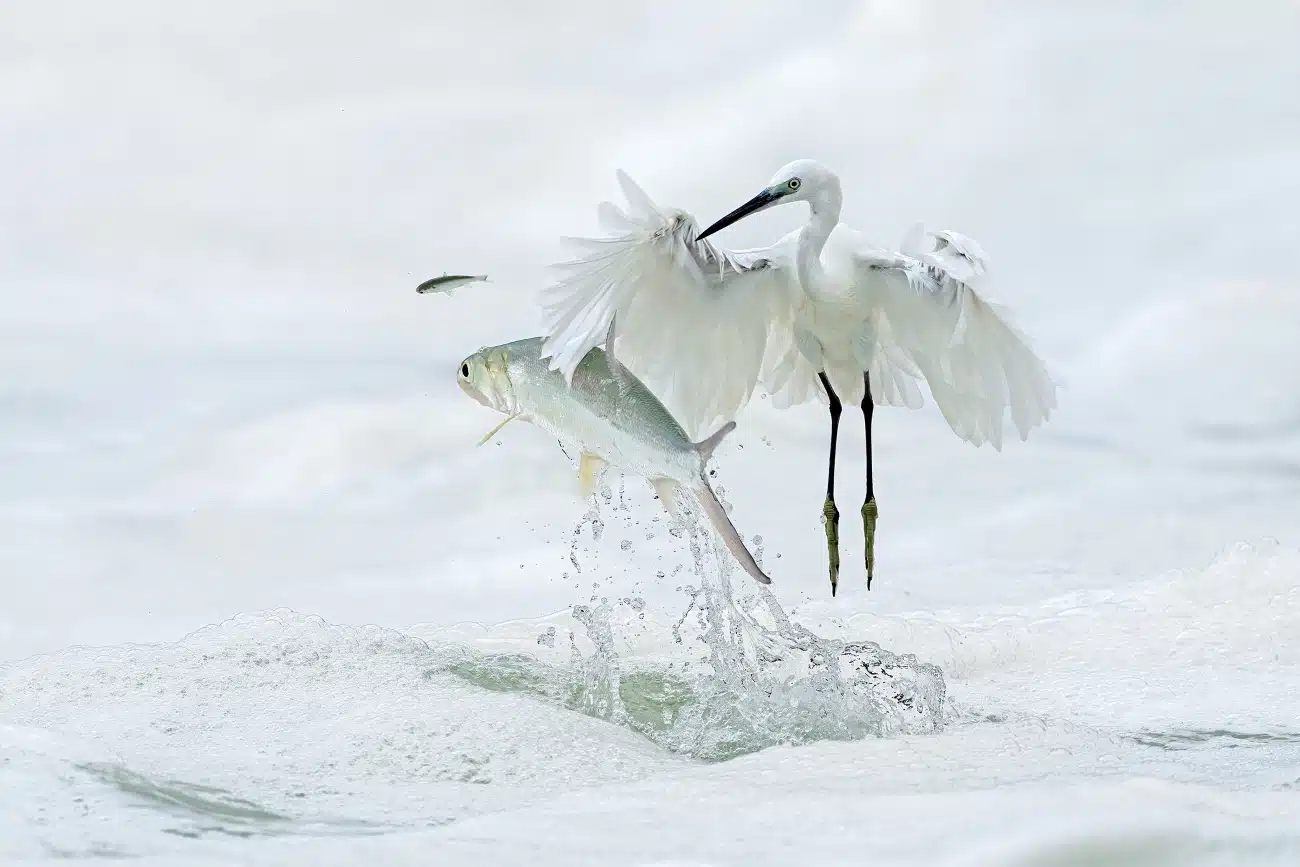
(830, 514)
(869, 505)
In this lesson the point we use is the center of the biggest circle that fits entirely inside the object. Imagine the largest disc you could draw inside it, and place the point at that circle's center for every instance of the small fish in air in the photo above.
(447, 282)
(611, 418)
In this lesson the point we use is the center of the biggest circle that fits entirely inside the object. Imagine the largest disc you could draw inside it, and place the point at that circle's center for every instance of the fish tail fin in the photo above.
(706, 447)
(727, 530)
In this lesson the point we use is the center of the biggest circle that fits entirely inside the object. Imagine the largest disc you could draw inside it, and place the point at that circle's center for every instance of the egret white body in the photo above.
(821, 313)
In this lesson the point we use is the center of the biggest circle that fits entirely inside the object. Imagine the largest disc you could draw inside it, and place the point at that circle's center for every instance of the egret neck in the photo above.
(823, 217)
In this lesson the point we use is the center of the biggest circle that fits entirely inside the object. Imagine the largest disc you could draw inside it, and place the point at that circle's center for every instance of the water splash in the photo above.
(740, 675)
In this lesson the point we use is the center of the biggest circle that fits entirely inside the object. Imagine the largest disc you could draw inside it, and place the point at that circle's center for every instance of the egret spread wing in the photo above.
(693, 319)
(978, 365)
(787, 374)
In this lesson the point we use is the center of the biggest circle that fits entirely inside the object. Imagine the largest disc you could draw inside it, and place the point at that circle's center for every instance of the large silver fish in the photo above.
(610, 417)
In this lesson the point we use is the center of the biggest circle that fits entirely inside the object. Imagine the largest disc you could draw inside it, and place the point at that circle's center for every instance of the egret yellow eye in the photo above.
(793, 183)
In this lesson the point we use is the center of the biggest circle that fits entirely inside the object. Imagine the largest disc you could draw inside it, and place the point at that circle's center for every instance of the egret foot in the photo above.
(831, 518)
(869, 531)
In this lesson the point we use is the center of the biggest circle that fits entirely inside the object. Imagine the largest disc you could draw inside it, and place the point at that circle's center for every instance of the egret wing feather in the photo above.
(787, 373)
(694, 320)
(959, 256)
(979, 367)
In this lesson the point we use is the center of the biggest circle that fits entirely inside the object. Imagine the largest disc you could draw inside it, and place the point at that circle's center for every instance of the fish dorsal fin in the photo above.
(615, 366)
(621, 374)
(707, 447)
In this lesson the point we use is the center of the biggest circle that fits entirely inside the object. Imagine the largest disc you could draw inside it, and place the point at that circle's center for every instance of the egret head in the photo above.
(799, 181)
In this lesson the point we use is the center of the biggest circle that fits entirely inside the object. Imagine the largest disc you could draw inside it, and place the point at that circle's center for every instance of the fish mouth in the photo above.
(462, 379)
(473, 392)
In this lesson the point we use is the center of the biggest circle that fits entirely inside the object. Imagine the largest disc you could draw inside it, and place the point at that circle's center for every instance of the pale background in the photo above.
(220, 393)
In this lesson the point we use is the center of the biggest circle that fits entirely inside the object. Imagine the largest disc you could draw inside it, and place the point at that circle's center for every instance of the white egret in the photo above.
(703, 326)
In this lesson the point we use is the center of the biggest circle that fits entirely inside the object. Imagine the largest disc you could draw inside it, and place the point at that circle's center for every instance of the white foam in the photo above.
(277, 723)
(317, 721)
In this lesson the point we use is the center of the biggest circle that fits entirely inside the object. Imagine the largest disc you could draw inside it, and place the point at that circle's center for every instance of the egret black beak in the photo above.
(758, 203)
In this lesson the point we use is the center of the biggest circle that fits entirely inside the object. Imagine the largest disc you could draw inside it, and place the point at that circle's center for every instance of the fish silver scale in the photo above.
(613, 416)
(606, 412)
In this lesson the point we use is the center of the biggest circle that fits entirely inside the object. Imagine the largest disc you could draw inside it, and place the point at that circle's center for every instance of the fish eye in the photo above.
(464, 370)
(793, 183)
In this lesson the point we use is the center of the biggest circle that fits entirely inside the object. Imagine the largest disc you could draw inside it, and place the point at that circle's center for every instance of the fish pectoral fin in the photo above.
(666, 490)
(589, 467)
(487, 436)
